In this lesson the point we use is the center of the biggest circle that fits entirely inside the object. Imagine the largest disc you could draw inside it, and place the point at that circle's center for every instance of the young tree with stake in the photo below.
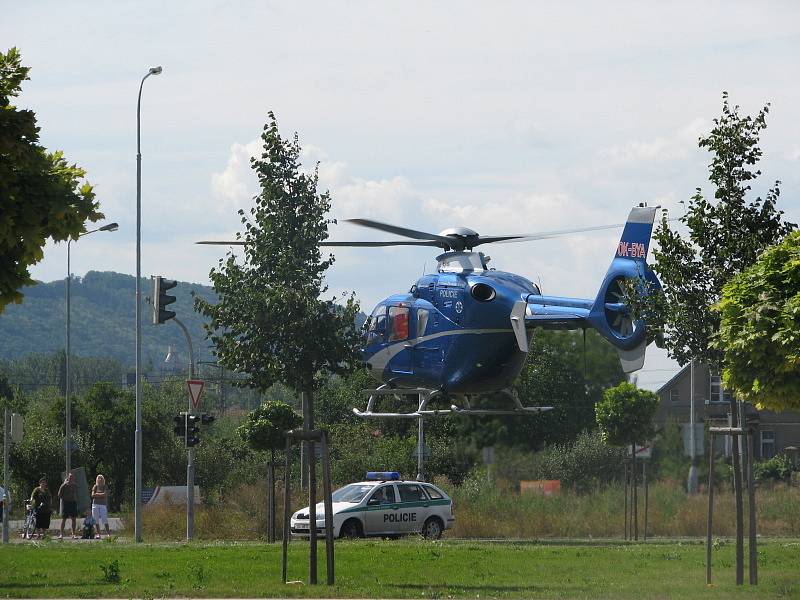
(271, 321)
(625, 417)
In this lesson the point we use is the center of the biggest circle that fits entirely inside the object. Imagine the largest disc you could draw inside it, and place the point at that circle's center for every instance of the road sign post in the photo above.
(488, 460)
(195, 392)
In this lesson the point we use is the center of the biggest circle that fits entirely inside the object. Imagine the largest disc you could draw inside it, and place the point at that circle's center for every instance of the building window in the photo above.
(717, 392)
(767, 444)
(674, 395)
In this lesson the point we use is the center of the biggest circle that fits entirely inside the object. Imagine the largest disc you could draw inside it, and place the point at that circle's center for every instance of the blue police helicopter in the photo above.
(464, 331)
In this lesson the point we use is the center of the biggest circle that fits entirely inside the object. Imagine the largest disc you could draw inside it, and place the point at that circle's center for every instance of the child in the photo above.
(89, 523)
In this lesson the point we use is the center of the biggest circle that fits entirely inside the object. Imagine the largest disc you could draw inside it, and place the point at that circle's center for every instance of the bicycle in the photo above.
(29, 526)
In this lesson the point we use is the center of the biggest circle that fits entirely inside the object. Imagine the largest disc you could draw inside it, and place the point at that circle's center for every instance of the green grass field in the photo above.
(401, 569)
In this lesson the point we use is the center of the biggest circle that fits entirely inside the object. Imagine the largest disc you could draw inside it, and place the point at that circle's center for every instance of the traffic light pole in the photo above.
(189, 449)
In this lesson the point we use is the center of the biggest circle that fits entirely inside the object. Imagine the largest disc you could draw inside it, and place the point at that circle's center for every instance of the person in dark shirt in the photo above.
(40, 498)
(68, 494)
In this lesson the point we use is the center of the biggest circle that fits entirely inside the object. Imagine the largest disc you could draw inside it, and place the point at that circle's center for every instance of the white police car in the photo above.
(382, 505)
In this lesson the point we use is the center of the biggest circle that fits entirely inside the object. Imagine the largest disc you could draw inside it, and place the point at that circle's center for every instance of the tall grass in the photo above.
(496, 510)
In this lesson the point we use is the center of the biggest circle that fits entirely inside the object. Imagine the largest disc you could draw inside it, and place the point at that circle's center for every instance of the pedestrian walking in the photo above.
(100, 504)
(68, 494)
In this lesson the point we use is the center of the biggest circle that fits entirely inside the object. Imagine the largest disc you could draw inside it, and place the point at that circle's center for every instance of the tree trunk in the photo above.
(710, 517)
(752, 544)
(308, 425)
(635, 501)
(271, 497)
(737, 490)
(646, 498)
(625, 485)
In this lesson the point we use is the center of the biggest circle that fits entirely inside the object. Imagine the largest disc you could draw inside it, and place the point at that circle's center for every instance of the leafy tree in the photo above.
(264, 430)
(760, 329)
(106, 415)
(41, 194)
(625, 414)
(270, 321)
(726, 235)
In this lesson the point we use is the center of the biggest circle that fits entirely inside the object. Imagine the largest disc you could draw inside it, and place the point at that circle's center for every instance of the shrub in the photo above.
(581, 465)
(777, 468)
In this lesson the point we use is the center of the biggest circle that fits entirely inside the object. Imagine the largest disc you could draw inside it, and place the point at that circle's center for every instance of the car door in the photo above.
(382, 510)
(413, 509)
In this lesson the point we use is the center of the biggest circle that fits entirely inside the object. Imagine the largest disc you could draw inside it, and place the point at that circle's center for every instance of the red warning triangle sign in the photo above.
(195, 390)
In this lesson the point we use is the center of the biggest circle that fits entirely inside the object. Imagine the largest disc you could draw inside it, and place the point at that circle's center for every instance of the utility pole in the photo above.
(137, 443)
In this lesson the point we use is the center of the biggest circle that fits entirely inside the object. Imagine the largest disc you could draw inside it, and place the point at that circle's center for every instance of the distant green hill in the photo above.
(103, 321)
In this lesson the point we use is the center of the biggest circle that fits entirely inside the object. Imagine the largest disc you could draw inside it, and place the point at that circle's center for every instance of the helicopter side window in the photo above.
(398, 323)
(422, 321)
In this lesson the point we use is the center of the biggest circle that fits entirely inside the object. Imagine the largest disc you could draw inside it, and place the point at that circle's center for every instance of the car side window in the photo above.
(383, 495)
(411, 492)
(433, 493)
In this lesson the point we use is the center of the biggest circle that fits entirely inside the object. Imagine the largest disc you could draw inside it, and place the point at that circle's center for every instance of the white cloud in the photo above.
(793, 154)
(236, 183)
(678, 145)
(391, 198)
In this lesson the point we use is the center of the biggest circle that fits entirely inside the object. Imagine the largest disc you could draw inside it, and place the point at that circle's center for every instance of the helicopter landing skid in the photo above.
(516, 410)
(425, 396)
(385, 390)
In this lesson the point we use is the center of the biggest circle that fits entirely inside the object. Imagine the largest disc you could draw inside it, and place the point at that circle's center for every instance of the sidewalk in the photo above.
(114, 524)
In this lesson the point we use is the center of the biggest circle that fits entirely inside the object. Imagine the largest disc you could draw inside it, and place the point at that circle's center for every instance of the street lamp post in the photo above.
(67, 391)
(137, 502)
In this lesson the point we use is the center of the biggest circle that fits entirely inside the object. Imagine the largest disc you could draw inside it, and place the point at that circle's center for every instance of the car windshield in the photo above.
(353, 493)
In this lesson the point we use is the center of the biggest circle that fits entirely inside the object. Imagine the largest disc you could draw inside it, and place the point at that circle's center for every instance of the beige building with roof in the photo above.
(774, 431)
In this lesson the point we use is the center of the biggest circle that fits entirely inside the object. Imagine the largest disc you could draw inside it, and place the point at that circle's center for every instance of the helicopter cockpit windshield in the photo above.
(375, 326)
(460, 262)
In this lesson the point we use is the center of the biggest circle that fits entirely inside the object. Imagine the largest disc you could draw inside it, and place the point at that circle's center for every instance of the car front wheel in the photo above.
(350, 529)
(432, 529)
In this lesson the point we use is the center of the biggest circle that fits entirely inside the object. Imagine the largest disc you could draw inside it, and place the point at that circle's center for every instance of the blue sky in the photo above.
(503, 117)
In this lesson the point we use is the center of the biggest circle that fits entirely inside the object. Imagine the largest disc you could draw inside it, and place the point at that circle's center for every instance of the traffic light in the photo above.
(192, 430)
(180, 425)
(161, 299)
(206, 419)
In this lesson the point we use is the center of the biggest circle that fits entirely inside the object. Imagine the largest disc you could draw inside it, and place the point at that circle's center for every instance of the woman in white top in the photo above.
(100, 504)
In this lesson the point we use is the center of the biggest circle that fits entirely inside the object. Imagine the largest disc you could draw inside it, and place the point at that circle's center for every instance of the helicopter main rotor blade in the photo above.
(378, 244)
(223, 243)
(411, 233)
(526, 237)
(338, 244)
